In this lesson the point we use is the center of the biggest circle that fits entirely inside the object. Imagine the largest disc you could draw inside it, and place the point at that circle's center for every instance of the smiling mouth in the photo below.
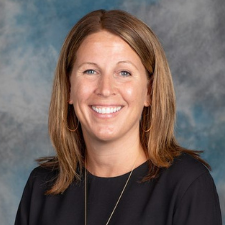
(106, 110)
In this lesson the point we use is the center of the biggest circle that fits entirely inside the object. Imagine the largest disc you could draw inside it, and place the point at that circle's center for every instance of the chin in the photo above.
(105, 137)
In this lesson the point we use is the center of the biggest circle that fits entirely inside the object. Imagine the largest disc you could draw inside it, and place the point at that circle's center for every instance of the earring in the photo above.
(73, 130)
(145, 120)
(146, 131)
(72, 117)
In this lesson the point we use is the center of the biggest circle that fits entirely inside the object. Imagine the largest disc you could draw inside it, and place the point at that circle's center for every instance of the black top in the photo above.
(184, 194)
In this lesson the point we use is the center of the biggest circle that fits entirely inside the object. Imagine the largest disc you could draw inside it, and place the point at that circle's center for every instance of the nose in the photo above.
(105, 86)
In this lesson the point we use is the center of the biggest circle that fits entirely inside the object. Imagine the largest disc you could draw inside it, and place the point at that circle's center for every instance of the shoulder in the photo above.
(187, 165)
(191, 184)
(183, 172)
(41, 178)
(43, 173)
(188, 177)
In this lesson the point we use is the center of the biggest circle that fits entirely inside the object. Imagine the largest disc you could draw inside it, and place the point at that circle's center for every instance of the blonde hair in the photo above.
(157, 123)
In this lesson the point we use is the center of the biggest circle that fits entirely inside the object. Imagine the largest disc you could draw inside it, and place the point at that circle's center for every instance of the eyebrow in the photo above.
(88, 63)
(95, 64)
(128, 62)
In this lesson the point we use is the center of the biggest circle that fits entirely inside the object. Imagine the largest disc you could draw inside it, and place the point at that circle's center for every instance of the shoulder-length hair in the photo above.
(157, 122)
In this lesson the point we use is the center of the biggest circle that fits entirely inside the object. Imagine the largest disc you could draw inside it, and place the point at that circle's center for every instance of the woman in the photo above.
(111, 122)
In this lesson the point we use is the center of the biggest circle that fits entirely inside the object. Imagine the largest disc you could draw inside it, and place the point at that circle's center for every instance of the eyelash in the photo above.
(89, 72)
(127, 74)
(122, 73)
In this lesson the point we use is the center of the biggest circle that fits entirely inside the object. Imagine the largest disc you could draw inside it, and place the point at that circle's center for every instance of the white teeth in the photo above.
(106, 110)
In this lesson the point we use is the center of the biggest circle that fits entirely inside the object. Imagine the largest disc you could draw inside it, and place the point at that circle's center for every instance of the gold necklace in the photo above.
(121, 194)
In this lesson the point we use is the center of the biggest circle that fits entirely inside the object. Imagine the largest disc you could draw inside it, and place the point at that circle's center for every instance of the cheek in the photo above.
(135, 93)
(129, 93)
(80, 91)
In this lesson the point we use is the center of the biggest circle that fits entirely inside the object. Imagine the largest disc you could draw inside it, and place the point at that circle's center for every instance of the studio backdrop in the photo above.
(31, 34)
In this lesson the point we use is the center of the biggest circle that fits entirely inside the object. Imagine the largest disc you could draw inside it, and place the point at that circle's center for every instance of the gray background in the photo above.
(31, 33)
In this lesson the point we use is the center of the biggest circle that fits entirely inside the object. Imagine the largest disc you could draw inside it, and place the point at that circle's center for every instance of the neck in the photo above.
(110, 159)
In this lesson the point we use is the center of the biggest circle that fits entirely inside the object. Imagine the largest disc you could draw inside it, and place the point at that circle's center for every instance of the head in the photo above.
(157, 121)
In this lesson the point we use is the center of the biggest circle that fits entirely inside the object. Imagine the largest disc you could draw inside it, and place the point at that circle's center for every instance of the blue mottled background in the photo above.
(31, 34)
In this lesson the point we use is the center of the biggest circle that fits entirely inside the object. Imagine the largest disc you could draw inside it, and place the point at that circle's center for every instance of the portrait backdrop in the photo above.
(31, 35)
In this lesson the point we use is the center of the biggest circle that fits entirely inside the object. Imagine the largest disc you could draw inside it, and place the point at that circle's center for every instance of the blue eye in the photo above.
(89, 72)
(125, 73)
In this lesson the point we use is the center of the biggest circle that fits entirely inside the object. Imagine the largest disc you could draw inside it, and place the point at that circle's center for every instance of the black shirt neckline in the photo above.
(140, 170)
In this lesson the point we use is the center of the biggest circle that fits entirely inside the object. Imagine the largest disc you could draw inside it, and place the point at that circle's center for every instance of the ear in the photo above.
(147, 102)
(70, 101)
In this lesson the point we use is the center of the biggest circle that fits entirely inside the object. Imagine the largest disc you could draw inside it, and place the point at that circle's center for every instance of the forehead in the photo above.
(104, 43)
(103, 38)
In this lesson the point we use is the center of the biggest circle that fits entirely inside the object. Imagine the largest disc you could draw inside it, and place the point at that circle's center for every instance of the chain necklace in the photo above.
(121, 194)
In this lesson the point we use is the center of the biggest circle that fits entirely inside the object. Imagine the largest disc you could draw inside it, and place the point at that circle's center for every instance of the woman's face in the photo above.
(109, 88)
